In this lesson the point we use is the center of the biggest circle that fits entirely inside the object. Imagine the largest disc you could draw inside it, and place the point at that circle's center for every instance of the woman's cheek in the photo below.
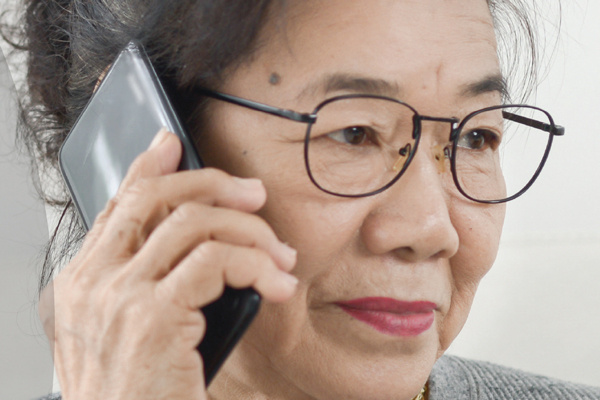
(479, 228)
(317, 224)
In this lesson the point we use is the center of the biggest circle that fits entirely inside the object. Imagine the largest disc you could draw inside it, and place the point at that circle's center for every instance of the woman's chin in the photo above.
(338, 356)
(356, 371)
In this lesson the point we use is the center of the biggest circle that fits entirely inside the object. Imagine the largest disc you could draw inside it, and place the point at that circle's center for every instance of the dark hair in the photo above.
(70, 43)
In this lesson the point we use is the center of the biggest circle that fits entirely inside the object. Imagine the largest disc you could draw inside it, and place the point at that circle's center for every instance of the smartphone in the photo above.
(127, 110)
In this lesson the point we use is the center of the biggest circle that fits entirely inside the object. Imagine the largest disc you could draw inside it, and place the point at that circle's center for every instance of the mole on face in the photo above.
(274, 79)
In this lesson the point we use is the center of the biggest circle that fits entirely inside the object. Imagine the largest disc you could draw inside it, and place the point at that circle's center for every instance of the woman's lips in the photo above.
(390, 316)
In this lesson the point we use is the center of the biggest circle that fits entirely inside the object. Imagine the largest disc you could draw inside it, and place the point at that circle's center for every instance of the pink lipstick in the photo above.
(390, 316)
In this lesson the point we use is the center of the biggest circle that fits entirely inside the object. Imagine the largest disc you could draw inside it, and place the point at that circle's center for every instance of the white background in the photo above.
(25, 361)
(539, 307)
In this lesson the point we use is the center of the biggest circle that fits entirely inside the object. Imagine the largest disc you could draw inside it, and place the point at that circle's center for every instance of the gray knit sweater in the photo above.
(455, 378)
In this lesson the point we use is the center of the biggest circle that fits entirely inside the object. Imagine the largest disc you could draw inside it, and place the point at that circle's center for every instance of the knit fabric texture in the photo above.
(455, 378)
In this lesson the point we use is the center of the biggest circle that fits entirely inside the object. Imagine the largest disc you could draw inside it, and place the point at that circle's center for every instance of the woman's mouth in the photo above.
(390, 316)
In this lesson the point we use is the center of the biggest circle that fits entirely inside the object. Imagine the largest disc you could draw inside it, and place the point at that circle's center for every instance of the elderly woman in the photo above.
(365, 228)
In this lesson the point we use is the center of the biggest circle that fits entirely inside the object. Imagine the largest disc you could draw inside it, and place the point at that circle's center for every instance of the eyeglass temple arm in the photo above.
(253, 105)
(555, 130)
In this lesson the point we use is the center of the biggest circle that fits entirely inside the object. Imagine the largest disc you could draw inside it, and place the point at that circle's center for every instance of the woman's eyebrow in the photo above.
(338, 82)
(489, 84)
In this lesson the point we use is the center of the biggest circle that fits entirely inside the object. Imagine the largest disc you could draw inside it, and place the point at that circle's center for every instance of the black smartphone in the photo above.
(127, 110)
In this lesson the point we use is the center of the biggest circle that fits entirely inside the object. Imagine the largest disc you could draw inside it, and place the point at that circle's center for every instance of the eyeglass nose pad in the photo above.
(404, 153)
(440, 155)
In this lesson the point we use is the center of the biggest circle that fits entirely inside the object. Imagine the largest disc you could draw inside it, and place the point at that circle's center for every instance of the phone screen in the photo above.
(118, 124)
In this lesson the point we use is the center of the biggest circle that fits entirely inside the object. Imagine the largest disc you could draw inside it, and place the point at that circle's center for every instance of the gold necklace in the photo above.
(421, 395)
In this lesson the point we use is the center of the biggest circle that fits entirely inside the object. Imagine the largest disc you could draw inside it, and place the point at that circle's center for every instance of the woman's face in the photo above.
(419, 241)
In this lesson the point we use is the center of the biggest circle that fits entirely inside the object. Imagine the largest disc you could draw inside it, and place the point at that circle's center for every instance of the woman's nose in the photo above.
(412, 219)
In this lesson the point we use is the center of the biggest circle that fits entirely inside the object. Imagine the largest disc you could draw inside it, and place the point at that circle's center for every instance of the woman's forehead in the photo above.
(416, 21)
(394, 46)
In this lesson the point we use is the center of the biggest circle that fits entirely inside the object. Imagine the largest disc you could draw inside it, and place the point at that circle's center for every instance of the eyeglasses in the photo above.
(360, 145)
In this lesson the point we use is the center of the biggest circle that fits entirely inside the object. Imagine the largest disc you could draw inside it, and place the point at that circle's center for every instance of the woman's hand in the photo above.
(126, 318)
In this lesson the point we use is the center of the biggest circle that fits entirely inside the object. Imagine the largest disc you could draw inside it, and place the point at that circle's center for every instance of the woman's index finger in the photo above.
(148, 202)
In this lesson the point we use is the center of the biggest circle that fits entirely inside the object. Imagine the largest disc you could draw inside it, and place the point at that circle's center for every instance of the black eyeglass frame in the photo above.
(456, 127)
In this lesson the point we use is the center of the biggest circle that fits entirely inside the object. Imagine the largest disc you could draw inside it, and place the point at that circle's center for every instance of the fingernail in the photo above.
(290, 254)
(249, 183)
(160, 137)
(289, 280)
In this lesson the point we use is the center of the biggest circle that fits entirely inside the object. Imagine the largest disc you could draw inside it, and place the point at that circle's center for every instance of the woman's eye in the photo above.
(355, 135)
(478, 140)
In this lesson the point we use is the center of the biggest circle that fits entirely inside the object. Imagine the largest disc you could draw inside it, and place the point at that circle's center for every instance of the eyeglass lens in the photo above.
(359, 145)
(495, 156)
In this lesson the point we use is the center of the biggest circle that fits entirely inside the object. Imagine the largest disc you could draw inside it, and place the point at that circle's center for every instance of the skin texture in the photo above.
(167, 243)
(419, 240)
